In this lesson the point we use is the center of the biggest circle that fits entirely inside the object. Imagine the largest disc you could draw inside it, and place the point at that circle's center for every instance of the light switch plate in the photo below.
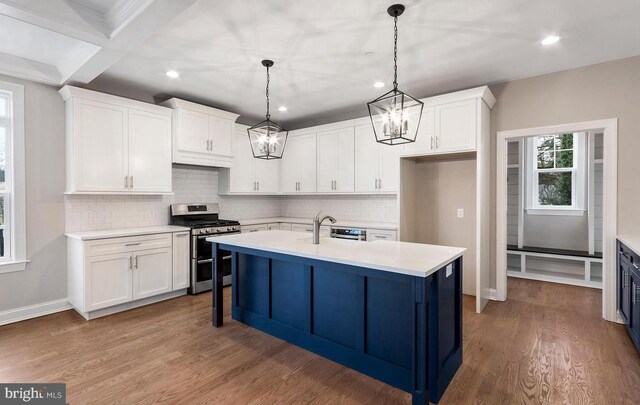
(460, 212)
(449, 270)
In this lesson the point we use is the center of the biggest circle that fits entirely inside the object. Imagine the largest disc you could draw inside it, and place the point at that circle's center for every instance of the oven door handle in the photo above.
(211, 260)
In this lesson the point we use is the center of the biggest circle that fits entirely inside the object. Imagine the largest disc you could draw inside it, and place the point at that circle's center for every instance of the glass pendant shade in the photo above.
(395, 117)
(268, 140)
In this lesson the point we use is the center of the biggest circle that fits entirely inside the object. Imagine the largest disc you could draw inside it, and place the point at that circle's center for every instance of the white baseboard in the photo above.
(130, 305)
(33, 311)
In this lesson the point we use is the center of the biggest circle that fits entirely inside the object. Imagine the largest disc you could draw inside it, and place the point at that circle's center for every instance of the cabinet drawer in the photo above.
(254, 228)
(380, 234)
(128, 244)
(631, 256)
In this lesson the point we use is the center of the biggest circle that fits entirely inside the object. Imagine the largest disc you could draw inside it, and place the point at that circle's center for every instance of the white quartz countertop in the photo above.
(309, 221)
(414, 259)
(118, 233)
(632, 242)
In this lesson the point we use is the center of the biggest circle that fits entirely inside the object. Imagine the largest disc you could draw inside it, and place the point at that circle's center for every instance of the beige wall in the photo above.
(608, 90)
(438, 189)
(45, 278)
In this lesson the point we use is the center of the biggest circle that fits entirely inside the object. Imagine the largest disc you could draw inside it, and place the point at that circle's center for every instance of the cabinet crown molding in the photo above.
(188, 105)
(482, 92)
(70, 92)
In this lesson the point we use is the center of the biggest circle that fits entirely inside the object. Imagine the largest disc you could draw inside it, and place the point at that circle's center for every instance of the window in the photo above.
(556, 174)
(12, 203)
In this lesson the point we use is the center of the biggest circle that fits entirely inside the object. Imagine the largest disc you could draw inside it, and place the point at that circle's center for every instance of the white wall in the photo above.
(45, 277)
(379, 208)
(191, 184)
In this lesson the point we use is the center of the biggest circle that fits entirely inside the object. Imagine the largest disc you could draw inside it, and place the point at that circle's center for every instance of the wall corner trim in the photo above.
(33, 311)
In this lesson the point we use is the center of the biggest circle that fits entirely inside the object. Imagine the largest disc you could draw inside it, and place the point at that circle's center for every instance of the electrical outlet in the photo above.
(460, 212)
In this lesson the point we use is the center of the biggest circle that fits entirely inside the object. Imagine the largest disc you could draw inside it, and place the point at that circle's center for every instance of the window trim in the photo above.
(578, 183)
(17, 260)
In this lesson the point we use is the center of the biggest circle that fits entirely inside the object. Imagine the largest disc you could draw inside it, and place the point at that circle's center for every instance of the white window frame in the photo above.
(15, 252)
(578, 175)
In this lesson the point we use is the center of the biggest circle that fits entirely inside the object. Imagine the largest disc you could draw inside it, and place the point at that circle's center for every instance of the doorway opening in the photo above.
(555, 210)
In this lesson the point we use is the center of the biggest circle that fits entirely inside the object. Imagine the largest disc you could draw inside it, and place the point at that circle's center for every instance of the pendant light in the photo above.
(395, 116)
(267, 138)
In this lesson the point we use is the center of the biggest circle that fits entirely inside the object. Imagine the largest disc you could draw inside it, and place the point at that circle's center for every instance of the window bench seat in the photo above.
(555, 265)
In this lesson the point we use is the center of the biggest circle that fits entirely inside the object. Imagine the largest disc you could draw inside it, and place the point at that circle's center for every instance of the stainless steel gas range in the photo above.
(204, 222)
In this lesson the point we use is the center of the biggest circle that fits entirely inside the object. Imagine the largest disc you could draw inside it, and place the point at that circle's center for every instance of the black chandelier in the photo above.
(267, 138)
(395, 116)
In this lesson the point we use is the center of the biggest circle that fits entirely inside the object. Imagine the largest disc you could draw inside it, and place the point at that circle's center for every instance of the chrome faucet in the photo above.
(316, 226)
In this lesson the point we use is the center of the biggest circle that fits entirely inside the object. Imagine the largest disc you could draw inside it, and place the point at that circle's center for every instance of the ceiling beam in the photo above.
(15, 66)
(50, 16)
(137, 22)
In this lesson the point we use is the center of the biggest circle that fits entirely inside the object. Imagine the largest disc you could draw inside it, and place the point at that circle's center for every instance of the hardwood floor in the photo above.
(547, 344)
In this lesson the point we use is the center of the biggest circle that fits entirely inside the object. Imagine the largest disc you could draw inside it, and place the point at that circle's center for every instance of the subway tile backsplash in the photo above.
(200, 184)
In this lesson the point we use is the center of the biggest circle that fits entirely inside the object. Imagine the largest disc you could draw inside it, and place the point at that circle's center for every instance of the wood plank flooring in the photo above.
(546, 345)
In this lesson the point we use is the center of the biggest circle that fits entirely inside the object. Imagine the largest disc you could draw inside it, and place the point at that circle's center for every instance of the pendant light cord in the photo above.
(267, 93)
(395, 52)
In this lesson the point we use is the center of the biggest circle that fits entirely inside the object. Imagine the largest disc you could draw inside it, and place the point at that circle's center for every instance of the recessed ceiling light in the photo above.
(282, 108)
(378, 84)
(551, 39)
(173, 74)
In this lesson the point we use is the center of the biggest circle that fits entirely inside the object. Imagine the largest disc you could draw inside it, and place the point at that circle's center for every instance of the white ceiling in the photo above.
(319, 48)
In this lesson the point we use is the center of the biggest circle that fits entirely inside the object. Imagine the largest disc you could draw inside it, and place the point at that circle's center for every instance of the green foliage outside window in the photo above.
(555, 186)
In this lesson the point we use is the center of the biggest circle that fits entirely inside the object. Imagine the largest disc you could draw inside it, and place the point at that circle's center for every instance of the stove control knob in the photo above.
(228, 228)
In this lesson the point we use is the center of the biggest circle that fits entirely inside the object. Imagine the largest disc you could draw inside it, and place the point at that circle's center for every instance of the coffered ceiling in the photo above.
(59, 41)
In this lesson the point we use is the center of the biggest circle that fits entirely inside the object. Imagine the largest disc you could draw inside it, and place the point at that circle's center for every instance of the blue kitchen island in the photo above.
(390, 310)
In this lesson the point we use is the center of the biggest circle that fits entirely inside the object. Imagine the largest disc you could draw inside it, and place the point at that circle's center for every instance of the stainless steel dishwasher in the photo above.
(349, 233)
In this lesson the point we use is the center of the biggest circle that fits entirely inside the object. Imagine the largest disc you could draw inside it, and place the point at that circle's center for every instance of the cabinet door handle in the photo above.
(258, 183)
(131, 181)
(136, 262)
(635, 265)
(130, 262)
(625, 278)
(437, 141)
(211, 145)
(126, 181)
(379, 184)
(431, 142)
(133, 244)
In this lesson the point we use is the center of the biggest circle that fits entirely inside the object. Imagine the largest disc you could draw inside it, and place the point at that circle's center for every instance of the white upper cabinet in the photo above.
(456, 126)
(116, 145)
(425, 140)
(202, 135)
(148, 155)
(335, 150)
(248, 174)
(344, 157)
(298, 167)
(376, 165)
(450, 123)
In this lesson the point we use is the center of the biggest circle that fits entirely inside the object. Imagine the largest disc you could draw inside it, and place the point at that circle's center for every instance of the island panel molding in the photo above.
(404, 330)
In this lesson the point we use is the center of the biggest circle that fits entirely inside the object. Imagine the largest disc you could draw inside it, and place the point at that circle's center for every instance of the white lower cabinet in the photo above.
(151, 272)
(108, 281)
(254, 228)
(381, 234)
(181, 260)
(114, 274)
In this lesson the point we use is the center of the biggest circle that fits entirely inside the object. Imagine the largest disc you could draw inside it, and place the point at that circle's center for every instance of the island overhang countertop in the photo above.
(414, 259)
